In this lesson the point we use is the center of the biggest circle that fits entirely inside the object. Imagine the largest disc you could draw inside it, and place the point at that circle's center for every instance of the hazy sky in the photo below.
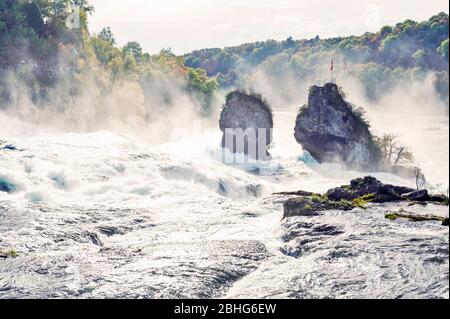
(185, 25)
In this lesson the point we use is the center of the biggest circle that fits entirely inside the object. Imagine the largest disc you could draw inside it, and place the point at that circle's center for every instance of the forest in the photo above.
(408, 50)
(46, 59)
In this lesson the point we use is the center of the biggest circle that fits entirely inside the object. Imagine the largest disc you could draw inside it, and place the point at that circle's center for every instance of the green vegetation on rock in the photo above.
(8, 254)
(360, 193)
(391, 216)
(362, 201)
(311, 205)
(402, 214)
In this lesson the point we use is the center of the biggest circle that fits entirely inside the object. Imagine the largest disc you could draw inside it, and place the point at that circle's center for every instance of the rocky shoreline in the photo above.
(359, 194)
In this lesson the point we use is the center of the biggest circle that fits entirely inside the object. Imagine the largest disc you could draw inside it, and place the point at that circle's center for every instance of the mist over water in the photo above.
(113, 182)
(113, 203)
(412, 110)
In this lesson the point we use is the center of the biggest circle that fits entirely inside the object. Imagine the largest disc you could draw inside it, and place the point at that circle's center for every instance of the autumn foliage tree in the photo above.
(392, 152)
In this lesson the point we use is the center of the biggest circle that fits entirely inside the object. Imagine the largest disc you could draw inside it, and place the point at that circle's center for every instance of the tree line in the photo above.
(408, 50)
(42, 53)
(40, 50)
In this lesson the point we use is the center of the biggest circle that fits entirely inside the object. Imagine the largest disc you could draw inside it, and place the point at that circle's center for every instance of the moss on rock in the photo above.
(12, 253)
(402, 214)
(312, 205)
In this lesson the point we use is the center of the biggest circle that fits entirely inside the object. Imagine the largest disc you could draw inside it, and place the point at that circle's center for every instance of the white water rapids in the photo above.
(97, 215)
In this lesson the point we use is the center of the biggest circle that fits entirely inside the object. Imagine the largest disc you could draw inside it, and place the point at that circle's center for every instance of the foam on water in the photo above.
(98, 215)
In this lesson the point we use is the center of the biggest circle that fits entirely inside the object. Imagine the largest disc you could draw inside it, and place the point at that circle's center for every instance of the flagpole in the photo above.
(332, 70)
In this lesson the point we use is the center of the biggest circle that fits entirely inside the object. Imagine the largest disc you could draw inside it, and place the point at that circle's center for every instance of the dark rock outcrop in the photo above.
(6, 185)
(419, 196)
(358, 194)
(333, 131)
(5, 146)
(246, 121)
(312, 206)
(381, 193)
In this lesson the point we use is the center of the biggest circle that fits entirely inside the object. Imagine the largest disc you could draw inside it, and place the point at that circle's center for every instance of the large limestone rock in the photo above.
(332, 131)
(247, 123)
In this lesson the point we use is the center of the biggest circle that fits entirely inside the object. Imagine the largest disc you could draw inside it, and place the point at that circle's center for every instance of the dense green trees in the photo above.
(135, 49)
(45, 46)
(41, 49)
(201, 86)
(408, 50)
(107, 35)
(443, 49)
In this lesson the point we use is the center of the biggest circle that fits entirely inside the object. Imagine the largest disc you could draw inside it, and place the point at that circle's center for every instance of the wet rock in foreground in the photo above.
(359, 194)
(380, 192)
(312, 206)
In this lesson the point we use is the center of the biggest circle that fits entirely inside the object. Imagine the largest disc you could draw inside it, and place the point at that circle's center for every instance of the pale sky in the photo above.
(186, 25)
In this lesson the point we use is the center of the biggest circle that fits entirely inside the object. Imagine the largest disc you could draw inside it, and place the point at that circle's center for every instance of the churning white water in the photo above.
(97, 215)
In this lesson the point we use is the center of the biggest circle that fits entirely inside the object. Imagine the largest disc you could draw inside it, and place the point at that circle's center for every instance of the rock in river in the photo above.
(360, 187)
(420, 195)
(247, 123)
(358, 194)
(332, 130)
